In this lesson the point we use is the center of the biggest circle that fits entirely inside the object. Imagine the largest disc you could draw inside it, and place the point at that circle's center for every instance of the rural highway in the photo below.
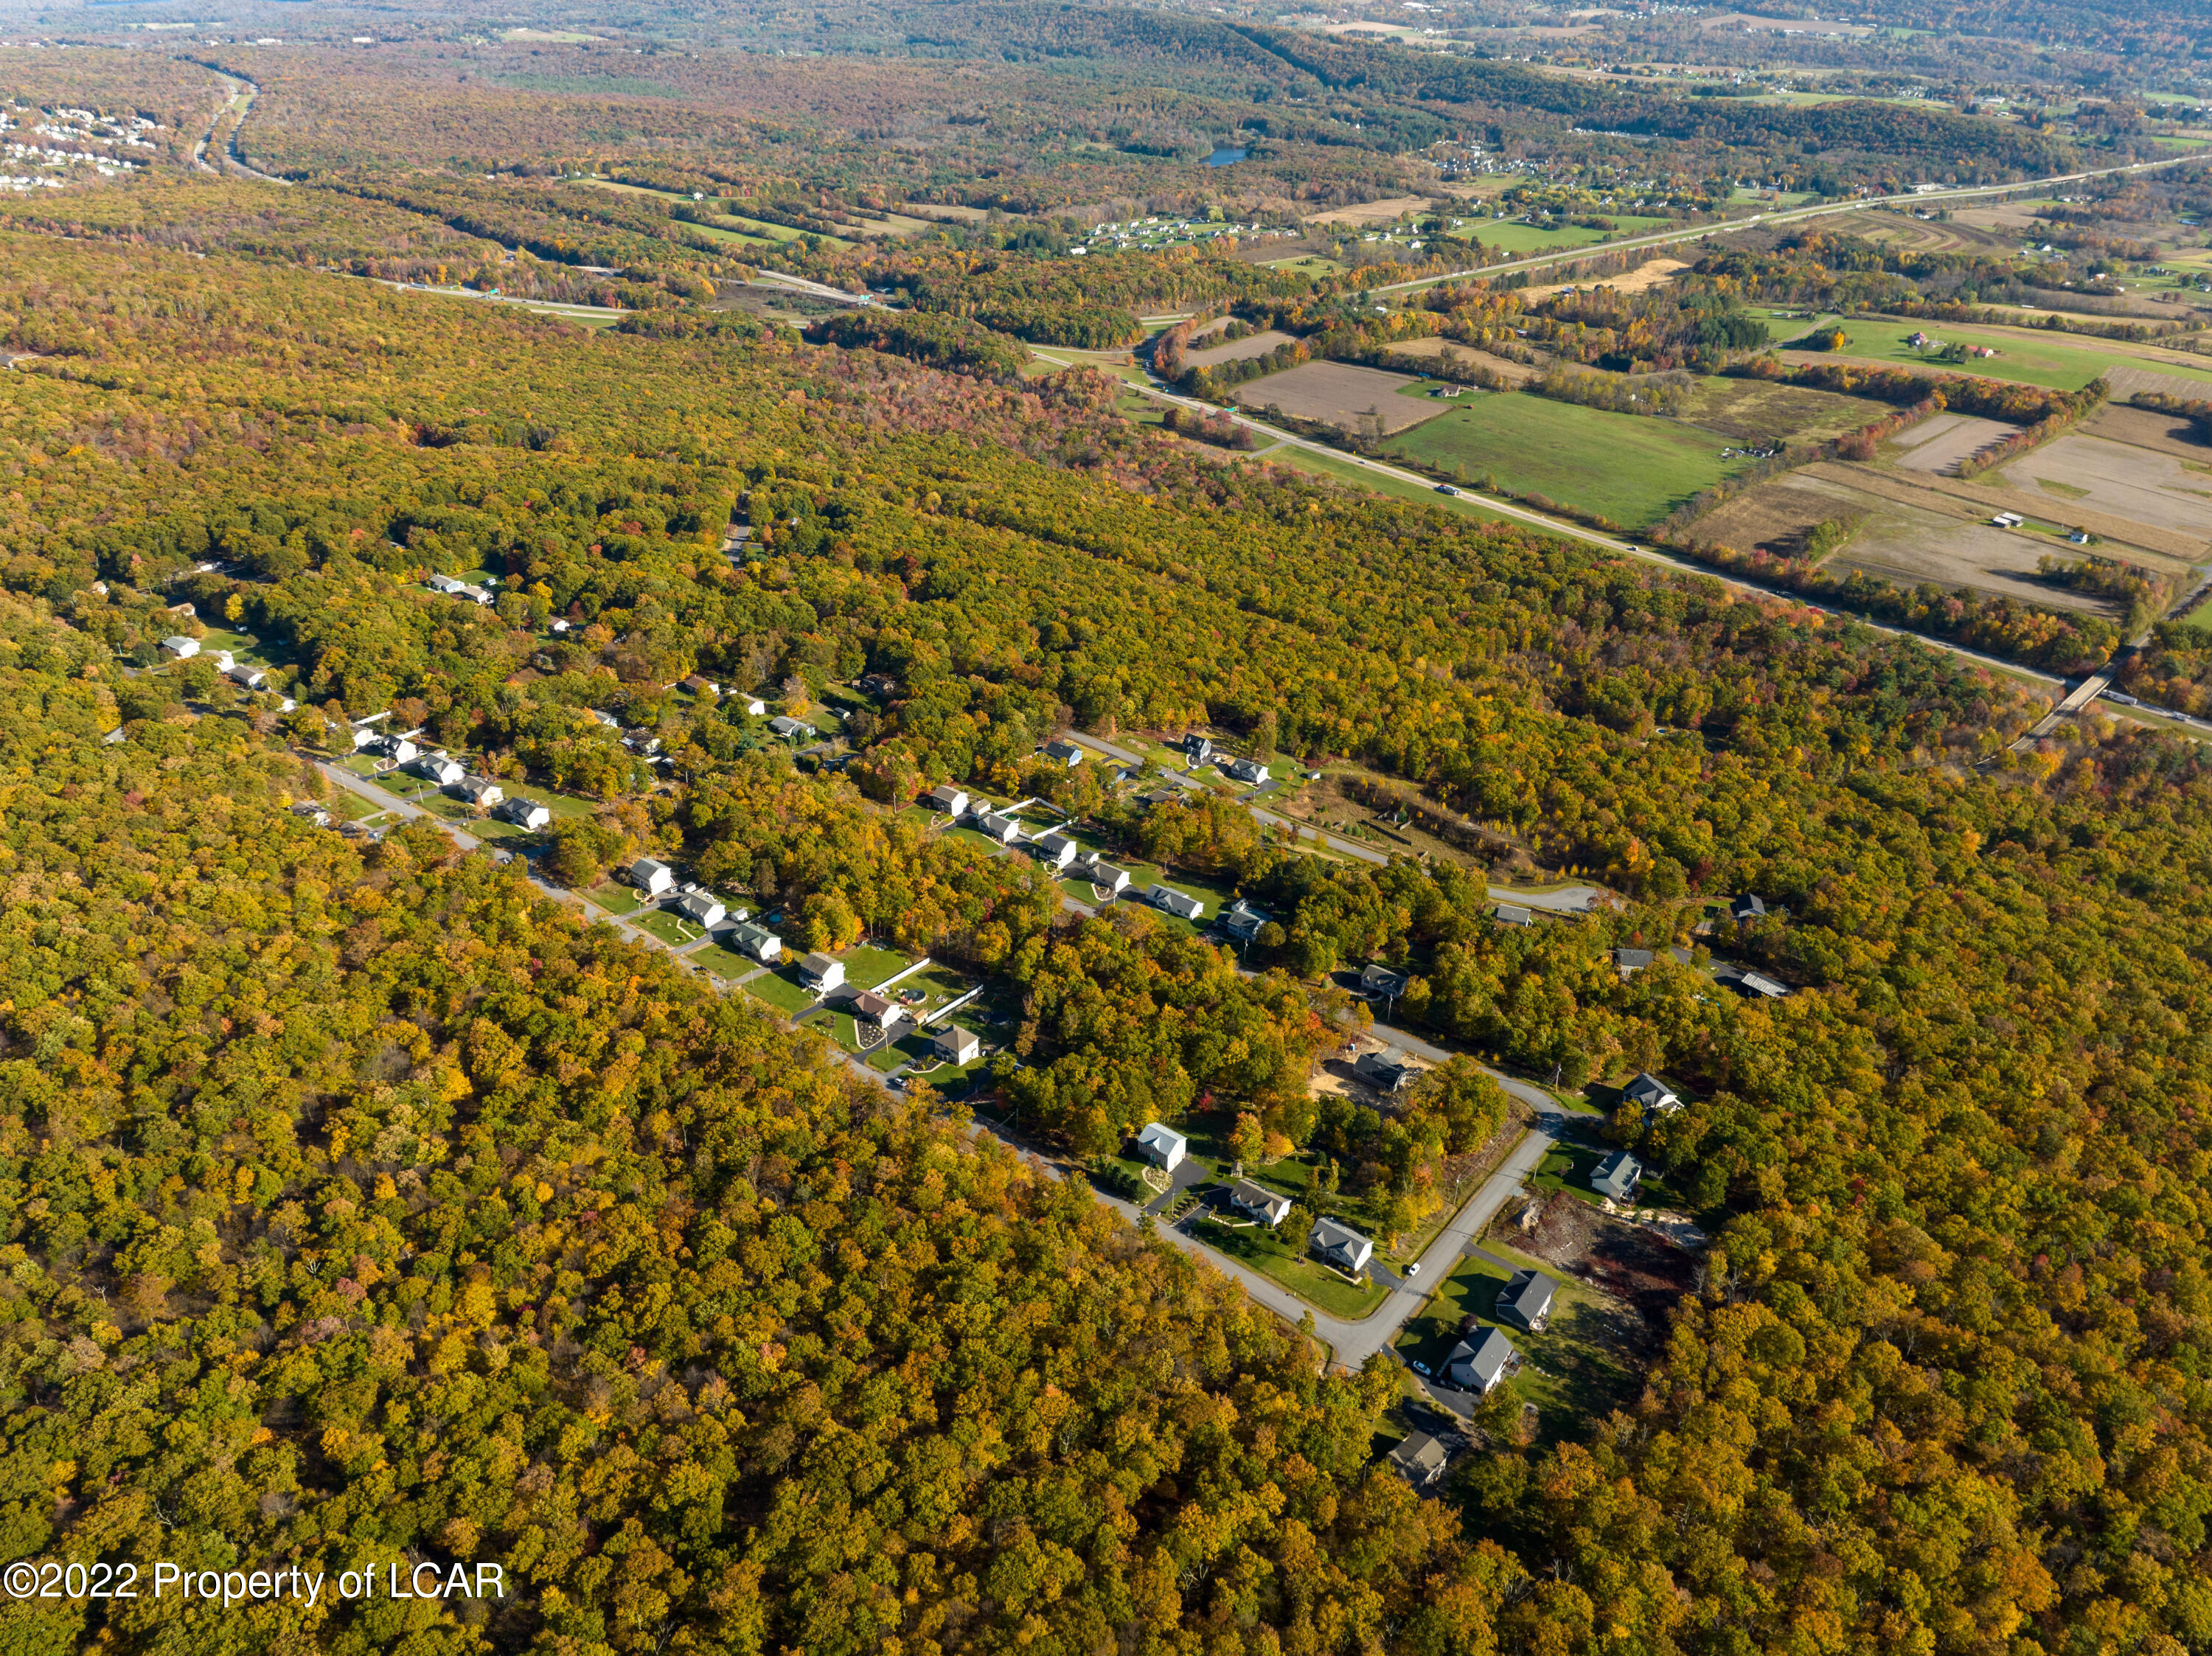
(1787, 215)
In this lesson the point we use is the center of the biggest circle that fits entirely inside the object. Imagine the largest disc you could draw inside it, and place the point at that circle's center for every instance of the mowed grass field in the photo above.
(1629, 468)
(2062, 361)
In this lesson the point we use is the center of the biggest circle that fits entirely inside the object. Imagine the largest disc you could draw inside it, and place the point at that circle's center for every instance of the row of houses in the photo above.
(1056, 848)
(1200, 750)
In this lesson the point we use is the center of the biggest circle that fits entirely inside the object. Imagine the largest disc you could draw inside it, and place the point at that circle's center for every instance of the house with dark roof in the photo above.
(1000, 825)
(478, 790)
(1089, 867)
(437, 767)
(821, 973)
(1198, 747)
(1175, 902)
(1618, 1176)
(1257, 1202)
(1249, 771)
(1063, 752)
(651, 876)
(1478, 1365)
(1381, 983)
(953, 801)
(1651, 1093)
(1419, 1459)
(879, 1010)
(1749, 907)
(1341, 1247)
(1054, 850)
(1631, 960)
(1526, 1302)
(1385, 1075)
(1241, 921)
(524, 813)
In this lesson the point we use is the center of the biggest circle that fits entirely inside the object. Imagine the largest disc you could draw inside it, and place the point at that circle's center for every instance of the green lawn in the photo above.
(615, 898)
(780, 987)
(671, 929)
(867, 967)
(1470, 1288)
(938, 984)
(1508, 236)
(1282, 1260)
(1574, 1372)
(2064, 361)
(1629, 468)
(724, 962)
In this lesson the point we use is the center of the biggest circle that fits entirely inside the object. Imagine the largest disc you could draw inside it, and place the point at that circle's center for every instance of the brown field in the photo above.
(1372, 212)
(2161, 433)
(1775, 517)
(1450, 350)
(1644, 277)
(2126, 382)
(1918, 235)
(1941, 444)
(1751, 412)
(1258, 344)
(1338, 392)
(2120, 481)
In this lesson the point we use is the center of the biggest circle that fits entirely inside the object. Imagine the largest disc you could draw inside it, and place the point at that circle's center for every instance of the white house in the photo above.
(439, 768)
(1101, 873)
(755, 705)
(1164, 1147)
(958, 1046)
(478, 790)
(1054, 850)
(953, 801)
(178, 647)
(821, 973)
(1652, 1094)
(1243, 770)
(878, 1009)
(651, 876)
(399, 749)
(221, 660)
(1342, 1247)
(525, 814)
(249, 677)
(1000, 827)
(1175, 902)
(450, 586)
(556, 626)
(700, 908)
(763, 944)
(1478, 1365)
(785, 726)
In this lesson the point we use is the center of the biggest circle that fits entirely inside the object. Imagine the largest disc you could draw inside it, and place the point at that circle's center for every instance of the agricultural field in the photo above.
(1511, 236)
(1258, 344)
(1368, 214)
(1338, 392)
(1754, 413)
(1944, 443)
(2140, 485)
(2162, 434)
(2067, 362)
(1437, 347)
(1532, 445)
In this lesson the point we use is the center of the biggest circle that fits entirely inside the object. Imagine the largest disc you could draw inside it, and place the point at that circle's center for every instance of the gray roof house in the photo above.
(1100, 873)
(1054, 850)
(785, 726)
(438, 768)
(1651, 1093)
(1164, 1147)
(1381, 981)
(1618, 1176)
(178, 647)
(1631, 960)
(524, 813)
(958, 1046)
(1342, 1247)
(1749, 906)
(480, 790)
(1199, 748)
(1250, 771)
(700, 908)
(651, 876)
(1419, 1459)
(1512, 915)
(1478, 1365)
(757, 941)
(821, 973)
(1756, 983)
(1526, 1302)
(953, 801)
(1000, 825)
(1241, 921)
(1258, 1202)
(1175, 902)
(1064, 753)
(1384, 1075)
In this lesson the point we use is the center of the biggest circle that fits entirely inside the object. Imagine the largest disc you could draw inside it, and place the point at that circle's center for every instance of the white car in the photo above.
(1414, 1269)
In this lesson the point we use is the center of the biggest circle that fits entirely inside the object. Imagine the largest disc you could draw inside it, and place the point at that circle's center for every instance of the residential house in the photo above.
(881, 1010)
(1000, 825)
(1249, 771)
(1198, 749)
(1164, 1147)
(958, 1046)
(1478, 1365)
(1618, 1176)
(178, 647)
(399, 749)
(1747, 908)
(364, 736)
(480, 791)
(653, 877)
(953, 801)
(1157, 797)
(1103, 874)
(525, 813)
(1257, 1202)
(1757, 983)
(1175, 902)
(757, 941)
(1381, 983)
(220, 660)
(1651, 1093)
(700, 684)
(1512, 915)
(449, 584)
(1526, 1302)
(1064, 753)
(1342, 1247)
(604, 720)
(1631, 960)
(556, 626)
(700, 908)
(1241, 921)
(439, 768)
(1384, 1075)
(1419, 1459)
(821, 973)
(785, 726)
(882, 686)
(1054, 850)
(313, 812)
(754, 706)
(245, 676)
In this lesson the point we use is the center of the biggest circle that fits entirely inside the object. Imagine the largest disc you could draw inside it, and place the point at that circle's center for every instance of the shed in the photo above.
(1164, 1147)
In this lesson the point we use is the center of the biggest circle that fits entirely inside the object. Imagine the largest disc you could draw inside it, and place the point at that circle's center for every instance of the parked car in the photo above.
(1414, 1269)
